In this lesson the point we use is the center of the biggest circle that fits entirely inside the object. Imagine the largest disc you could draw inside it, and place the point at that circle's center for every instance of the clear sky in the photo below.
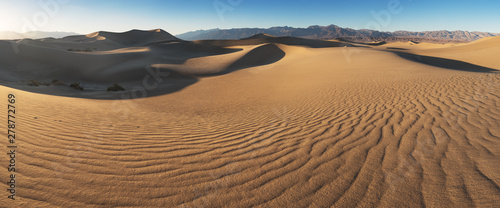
(178, 16)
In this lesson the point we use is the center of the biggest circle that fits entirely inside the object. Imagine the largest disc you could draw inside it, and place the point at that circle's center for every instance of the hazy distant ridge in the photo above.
(332, 32)
(8, 35)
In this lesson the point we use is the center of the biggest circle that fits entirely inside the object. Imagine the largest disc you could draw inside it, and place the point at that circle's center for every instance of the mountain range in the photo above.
(312, 32)
(333, 32)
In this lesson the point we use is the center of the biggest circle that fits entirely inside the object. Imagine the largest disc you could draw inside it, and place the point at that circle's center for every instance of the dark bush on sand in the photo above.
(76, 85)
(116, 87)
(57, 82)
(34, 83)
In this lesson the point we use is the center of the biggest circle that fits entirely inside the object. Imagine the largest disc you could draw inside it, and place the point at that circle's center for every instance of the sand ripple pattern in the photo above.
(414, 143)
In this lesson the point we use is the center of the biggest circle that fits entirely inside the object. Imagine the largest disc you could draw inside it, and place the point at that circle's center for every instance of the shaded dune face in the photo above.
(277, 40)
(262, 55)
(280, 126)
(125, 39)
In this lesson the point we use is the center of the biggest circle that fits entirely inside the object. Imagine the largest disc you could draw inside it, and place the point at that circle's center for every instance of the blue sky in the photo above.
(178, 16)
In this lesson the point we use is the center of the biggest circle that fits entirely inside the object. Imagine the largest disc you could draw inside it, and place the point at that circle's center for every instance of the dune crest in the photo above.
(259, 36)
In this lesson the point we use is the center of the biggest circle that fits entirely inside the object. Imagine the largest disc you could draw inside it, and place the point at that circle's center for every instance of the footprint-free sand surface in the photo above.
(265, 122)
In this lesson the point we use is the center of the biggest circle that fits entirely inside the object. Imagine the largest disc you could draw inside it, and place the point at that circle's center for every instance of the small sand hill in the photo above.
(260, 36)
(412, 45)
(485, 42)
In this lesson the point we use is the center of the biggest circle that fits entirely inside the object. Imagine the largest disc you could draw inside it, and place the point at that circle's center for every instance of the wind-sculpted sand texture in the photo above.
(316, 127)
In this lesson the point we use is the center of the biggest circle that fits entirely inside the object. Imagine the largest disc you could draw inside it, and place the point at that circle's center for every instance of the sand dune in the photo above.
(266, 122)
(102, 41)
(481, 52)
(260, 36)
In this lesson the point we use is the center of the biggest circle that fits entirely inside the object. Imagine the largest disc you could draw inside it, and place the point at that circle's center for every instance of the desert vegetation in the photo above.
(116, 87)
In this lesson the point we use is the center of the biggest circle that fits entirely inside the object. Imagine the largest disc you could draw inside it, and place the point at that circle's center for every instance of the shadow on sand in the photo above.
(145, 85)
(395, 48)
(445, 63)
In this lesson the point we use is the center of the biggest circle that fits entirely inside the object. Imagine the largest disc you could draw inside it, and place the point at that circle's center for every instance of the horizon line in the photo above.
(298, 27)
